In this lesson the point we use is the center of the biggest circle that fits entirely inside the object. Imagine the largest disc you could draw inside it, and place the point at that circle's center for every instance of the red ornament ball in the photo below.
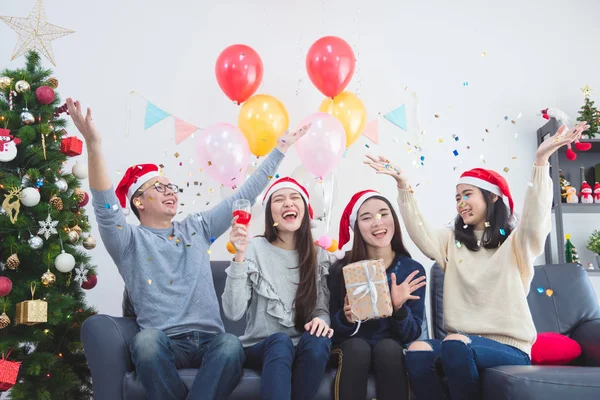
(5, 286)
(92, 280)
(44, 95)
(86, 200)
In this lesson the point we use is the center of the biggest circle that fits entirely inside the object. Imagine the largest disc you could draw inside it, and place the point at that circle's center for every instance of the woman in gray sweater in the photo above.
(279, 281)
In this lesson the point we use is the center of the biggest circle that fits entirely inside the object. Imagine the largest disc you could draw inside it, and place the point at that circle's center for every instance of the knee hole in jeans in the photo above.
(420, 346)
(457, 338)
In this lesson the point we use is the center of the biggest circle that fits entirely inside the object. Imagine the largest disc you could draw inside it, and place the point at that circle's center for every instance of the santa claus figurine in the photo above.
(8, 145)
(586, 193)
(597, 193)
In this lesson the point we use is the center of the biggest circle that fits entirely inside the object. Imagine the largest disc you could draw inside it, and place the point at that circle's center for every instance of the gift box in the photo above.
(71, 146)
(368, 290)
(9, 370)
(31, 312)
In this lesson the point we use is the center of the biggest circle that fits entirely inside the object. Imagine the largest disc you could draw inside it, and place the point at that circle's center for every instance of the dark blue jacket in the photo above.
(404, 326)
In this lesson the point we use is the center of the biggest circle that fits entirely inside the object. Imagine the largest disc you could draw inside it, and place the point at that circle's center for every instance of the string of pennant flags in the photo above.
(183, 130)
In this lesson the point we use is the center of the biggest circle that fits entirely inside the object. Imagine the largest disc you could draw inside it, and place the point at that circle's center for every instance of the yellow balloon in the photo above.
(350, 111)
(262, 120)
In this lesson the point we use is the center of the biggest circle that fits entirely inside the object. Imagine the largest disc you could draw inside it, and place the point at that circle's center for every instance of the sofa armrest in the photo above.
(106, 343)
(587, 334)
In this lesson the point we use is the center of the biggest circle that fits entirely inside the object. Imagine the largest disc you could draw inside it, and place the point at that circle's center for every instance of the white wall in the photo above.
(539, 54)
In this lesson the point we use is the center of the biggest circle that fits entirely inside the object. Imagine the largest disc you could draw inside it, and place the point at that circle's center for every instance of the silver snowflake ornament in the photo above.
(47, 227)
(81, 275)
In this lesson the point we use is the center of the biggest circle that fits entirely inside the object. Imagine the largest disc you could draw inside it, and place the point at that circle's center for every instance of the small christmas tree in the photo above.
(571, 255)
(589, 113)
(41, 224)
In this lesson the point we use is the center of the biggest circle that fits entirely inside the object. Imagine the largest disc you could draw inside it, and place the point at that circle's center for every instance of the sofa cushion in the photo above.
(554, 349)
(541, 382)
(248, 389)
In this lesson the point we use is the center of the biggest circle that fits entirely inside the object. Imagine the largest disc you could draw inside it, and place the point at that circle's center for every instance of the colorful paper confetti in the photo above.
(149, 281)
(458, 244)
(455, 152)
(549, 292)
(209, 251)
(212, 239)
(378, 216)
(176, 155)
(540, 290)
(487, 224)
(506, 169)
(502, 232)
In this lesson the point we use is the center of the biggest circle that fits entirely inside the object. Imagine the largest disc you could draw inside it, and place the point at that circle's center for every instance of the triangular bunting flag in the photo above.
(183, 130)
(397, 117)
(153, 115)
(371, 131)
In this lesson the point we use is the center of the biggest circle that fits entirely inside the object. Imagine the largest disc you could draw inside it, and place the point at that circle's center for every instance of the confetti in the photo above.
(502, 232)
(177, 241)
(277, 176)
(455, 137)
(171, 237)
(180, 164)
(107, 206)
(465, 226)
(378, 216)
(270, 177)
(530, 184)
(462, 204)
(460, 261)
(506, 169)
(115, 207)
(465, 83)
(458, 244)
(479, 243)
(487, 130)
(171, 282)
(465, 198)
(516, 135)
(209, 251)
(441, 140)
(540, 290)
(120, 226)
(149, 281)
(506, 118)
(210, 190)
(151, 198)
(119, 172)
(188, 245)
(176, 155)
(455, 152)
(549, 292)
(276, 224)
(367, 146)
(435, 115)
(212, 239)
(484, 54)
(468, 147)
(209, 164)
(487, 224)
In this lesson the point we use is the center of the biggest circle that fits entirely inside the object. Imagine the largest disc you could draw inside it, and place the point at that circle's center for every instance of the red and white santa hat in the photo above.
(351, 213)
(488, 180)
(585, 186)
(133, 179)
(289, 183)
(597, 188)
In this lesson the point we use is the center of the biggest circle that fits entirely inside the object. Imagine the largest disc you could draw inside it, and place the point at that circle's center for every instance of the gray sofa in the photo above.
(105, 340)
(572, 310)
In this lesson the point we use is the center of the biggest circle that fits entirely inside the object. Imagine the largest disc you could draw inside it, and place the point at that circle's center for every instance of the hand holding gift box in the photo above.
(368, 290)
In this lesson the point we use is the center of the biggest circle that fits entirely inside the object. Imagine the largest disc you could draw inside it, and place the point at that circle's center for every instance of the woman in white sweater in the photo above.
(488, 265)
(279, 281)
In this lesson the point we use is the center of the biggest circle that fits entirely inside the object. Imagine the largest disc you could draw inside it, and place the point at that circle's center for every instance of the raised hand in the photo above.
(562, 137)
(318, 327)
(239, 238)
(85, 125)
(286, 140)
(403, 292)
(383, 166)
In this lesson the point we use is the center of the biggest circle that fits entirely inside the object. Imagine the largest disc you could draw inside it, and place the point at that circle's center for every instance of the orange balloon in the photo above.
(350, 111)
(230, 248)
(334, 246)
(262, 120)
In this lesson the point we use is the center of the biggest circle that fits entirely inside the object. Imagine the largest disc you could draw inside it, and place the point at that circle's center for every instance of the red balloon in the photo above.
(239, 72)
(330, 65)
(91, 282)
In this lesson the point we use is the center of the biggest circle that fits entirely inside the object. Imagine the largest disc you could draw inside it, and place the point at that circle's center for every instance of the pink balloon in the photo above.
(223, 152)
(322, 148)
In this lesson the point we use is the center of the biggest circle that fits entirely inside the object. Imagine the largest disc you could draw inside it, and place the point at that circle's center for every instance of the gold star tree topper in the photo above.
(35, 33)
(587, 91)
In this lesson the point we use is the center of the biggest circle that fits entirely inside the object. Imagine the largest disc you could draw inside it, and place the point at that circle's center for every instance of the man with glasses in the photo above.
(166, 269)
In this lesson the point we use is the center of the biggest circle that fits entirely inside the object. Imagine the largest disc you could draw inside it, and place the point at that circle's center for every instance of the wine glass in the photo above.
(243, 210)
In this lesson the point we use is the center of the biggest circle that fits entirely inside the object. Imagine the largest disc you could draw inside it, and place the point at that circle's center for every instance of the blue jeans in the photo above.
(276, 357)
(460, 363)
(157, 358)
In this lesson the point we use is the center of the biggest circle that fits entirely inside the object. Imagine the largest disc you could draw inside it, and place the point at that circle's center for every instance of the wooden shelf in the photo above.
(579, 208)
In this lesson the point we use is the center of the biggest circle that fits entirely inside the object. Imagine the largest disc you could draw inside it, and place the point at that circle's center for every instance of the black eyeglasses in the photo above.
(160, 188)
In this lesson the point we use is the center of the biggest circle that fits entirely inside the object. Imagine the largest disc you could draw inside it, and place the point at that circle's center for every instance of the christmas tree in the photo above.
(42, 225)
(571, 255)
(589, 113)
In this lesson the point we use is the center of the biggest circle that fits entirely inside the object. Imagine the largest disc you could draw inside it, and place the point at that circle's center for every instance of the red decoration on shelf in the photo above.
(45, 95)
(9, 370)
(71, 146)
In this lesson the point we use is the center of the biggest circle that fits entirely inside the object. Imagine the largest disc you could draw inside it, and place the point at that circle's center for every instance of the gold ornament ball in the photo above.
(4, 321)
(77, 229)
(89, 243)
(73, 236)
(52, 82)
(22, 86)
(48, 279)
(13, 262)
(4, 82)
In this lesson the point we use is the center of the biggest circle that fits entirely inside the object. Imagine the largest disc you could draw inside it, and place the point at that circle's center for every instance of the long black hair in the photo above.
(499, 225)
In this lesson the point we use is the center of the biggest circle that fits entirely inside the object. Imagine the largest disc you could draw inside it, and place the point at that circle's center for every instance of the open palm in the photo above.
(403, 292)
(562, 137)
(85, 125)
(383, 166)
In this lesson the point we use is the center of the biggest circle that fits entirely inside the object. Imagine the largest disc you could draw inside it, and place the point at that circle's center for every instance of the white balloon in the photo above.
(65, 262)
(30, 197)
(80, 171)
